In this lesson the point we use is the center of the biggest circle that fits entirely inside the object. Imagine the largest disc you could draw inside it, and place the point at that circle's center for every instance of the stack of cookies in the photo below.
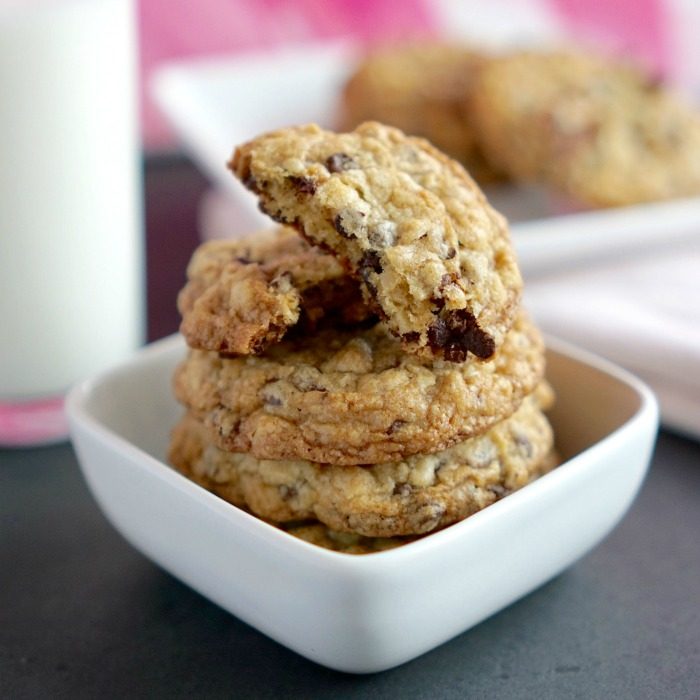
(362, 374)
(598, 130)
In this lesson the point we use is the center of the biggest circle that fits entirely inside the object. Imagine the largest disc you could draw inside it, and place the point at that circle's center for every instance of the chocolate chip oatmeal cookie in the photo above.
(423, 88)
(355, 397)
(434, 259)
(243, 295)
(414, 496)
(597, 130)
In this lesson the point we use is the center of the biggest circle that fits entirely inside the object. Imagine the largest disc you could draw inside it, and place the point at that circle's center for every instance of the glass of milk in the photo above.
(71, 247)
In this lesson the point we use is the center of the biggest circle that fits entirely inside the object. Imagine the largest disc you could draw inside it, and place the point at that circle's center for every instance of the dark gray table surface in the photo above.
(83, 615)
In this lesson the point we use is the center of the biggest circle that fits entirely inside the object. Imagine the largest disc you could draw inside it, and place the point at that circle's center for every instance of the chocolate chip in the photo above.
(304, 185)
(339, 162)
(451, 252)
(370, 260)
(411, 337)
(275, 216)
(445, 281)
(438, 304)
(438, 334)
(247, 178)
(402, 489)
(371, 289)
(349, 223)
(439, 300)
(395, 426)
(338, 226)
(272, 400)
(287, 492)
(456, 333)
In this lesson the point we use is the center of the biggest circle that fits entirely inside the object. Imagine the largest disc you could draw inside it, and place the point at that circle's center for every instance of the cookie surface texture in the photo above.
(433, 258)
(355, 397)
(410, 497)
(347, 543)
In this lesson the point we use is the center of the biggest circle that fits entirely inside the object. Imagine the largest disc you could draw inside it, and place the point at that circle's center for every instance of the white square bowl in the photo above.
(364, 613)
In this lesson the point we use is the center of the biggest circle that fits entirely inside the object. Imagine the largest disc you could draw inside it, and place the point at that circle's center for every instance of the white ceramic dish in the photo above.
(215, 104)
(363, 613)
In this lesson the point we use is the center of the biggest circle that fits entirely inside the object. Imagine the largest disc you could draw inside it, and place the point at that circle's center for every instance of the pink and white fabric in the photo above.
(662, 33)
(171, 30)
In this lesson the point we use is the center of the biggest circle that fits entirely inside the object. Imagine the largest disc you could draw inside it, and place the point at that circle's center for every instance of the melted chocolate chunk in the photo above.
(456, 333)
(339, 162)
(304, 185)
(451, 252)
(370, 260)
(371, 289)
(438, 334)
(412, 337)
(251, 183)
(438, 304)
(248, 179)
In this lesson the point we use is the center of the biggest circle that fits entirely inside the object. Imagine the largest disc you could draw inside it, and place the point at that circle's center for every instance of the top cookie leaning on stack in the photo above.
(425, 416)
(434, 260)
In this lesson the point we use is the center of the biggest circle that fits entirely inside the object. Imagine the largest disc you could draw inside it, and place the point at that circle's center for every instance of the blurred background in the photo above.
(661, 33)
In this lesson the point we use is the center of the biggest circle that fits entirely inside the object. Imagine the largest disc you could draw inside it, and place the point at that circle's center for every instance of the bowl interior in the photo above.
(135, 401)
(591, 402)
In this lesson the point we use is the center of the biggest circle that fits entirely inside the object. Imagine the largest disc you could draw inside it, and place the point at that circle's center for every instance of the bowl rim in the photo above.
(82, 421)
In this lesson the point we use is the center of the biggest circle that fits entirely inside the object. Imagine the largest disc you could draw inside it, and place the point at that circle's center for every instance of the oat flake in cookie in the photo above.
(434, 259)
